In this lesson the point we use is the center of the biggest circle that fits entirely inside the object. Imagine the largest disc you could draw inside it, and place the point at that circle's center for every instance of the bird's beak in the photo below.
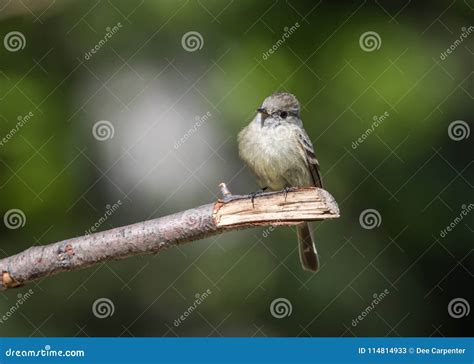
(263, 115)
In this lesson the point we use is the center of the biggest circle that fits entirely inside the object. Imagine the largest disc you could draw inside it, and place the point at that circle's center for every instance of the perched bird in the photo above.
(279, 152)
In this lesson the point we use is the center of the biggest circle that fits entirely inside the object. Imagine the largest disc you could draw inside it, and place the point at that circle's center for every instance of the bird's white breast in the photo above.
(270, 151)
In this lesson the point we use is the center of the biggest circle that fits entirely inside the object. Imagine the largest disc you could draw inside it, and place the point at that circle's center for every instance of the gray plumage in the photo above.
(279, 152)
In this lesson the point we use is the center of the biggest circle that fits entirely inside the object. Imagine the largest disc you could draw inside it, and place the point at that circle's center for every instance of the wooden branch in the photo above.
(152, 236)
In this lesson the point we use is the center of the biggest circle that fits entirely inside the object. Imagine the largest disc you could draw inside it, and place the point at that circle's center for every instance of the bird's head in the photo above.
(279, 108)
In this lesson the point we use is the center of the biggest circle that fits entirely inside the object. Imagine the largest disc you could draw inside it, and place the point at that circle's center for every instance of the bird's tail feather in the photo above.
(308, 254)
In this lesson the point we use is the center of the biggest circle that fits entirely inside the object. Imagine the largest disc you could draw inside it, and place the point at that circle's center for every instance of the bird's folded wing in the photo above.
(313, 163)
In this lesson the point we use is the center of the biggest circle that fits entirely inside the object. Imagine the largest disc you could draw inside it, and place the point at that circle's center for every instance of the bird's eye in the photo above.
(283, 114)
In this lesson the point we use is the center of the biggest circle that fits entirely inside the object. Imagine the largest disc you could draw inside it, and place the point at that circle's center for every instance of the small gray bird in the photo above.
(279, 152)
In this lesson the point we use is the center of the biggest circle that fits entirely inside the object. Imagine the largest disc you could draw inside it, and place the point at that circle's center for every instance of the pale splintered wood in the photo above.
(308, 204)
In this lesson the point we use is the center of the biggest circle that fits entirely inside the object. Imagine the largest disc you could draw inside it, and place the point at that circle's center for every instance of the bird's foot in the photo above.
(288, 189)
(252, 195)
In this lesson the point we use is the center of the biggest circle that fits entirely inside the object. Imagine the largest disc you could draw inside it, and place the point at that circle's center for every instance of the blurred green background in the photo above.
(152, 88)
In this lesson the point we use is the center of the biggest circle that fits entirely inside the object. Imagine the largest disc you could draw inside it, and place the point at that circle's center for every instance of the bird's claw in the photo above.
(252, 195)
(288, 189)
